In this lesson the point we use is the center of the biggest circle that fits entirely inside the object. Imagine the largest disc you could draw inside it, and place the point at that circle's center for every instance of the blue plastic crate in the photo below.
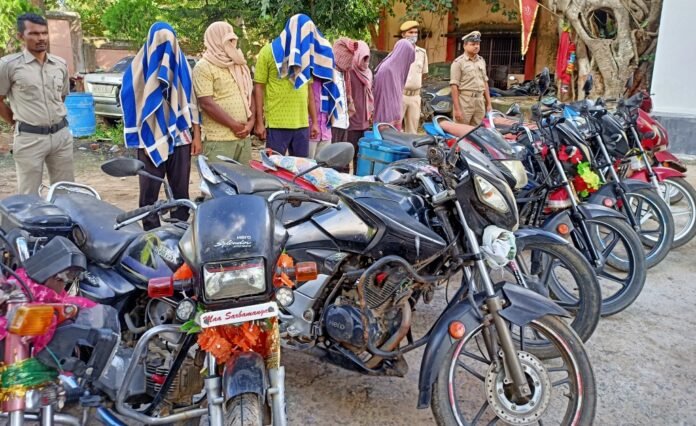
(374, 155)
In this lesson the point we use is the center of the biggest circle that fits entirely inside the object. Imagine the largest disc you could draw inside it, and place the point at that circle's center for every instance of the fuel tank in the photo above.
(153, 254)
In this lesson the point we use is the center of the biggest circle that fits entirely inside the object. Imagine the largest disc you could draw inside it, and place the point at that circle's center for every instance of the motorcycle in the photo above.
(203, 293)
(34, 314)
(377, 246)
(644, 209)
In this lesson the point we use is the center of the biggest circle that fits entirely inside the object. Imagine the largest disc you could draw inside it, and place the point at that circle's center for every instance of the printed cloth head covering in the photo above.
(221, 50)
(363, 73)
(300, 52)
(344, 50)
(390, 79)
(157, 95)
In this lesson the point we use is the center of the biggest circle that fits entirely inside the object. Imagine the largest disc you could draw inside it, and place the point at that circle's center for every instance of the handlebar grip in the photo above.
(323, 196)
(134, 213)
(422, 143)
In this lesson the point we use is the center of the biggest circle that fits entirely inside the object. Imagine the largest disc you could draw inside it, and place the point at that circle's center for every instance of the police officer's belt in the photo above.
(411, 92)
(42, 130)
(472, 93)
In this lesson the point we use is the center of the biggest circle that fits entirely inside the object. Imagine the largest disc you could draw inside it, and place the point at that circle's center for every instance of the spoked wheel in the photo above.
(656, 226)
(471, 387)
(621, 270)
(681, 197)
(561, 273)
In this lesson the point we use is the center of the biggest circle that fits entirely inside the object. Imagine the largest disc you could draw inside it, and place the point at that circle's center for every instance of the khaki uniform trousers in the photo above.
(239, 150)
(30, 151)
(411, 112)
(473, 109)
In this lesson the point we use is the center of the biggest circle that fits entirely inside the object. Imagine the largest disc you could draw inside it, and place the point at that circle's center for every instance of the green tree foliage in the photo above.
(130, 19)
(9, 11)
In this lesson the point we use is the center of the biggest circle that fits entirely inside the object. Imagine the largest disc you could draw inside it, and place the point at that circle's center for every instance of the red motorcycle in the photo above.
(650, 161)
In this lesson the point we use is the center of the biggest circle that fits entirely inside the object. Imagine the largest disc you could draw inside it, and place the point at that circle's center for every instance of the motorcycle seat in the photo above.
(407, 140)
(247, 180)
(31, 213)
(96, 218)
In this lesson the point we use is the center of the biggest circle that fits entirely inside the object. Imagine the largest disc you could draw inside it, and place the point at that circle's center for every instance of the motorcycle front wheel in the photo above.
(681, 197)
(471, 389)
(656, 226)
(244, 410)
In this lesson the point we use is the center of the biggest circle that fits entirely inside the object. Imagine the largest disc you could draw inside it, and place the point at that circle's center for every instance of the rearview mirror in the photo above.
(544, 82)
(338, 154)
(122, 167)
(589, 84)
(514, 110)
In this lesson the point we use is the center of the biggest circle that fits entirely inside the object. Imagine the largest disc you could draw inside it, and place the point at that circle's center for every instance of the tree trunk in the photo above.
(614, 59)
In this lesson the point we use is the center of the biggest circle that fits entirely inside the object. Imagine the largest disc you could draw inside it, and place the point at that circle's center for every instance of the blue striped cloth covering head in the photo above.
(159, 106)
(301, 52)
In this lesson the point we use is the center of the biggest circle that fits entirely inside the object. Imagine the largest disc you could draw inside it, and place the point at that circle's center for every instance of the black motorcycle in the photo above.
(207, 284)
(377, 245)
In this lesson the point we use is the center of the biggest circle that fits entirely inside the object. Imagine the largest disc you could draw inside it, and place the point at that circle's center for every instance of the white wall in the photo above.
(674, 75)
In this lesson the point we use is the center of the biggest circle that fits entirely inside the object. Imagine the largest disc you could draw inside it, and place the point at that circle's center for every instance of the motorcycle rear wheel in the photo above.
(467, 381)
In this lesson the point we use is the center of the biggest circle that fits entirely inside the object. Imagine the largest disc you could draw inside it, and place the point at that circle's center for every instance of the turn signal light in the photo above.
(306, 271)
(32, 320)
(160, 287)
(456, 329)
(563, 229)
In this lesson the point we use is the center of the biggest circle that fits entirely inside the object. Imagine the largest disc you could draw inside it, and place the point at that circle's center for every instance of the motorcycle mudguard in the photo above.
(663, 173)
(550, 225)
(592, 211)
(524, 306)
(526, 236)
(245, 372)
(634, 185)
(666, 156)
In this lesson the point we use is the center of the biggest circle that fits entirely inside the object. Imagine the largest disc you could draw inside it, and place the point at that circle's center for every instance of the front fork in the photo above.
(651, 173)
(494, 304)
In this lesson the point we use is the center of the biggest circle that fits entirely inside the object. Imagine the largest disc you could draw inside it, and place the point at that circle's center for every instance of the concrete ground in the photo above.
(643, 358)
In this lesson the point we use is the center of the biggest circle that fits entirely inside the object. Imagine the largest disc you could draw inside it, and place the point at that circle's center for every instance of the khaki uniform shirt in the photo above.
(35, 90)
(211, 80)
(469, 74)
(414, 81)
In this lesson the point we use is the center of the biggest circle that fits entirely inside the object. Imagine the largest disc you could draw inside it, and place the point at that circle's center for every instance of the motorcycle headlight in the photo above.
(445, 91)
(232, 279)
(490, 196)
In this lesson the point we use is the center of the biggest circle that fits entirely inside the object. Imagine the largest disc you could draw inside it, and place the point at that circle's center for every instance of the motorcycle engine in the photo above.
(187, 383)
(384, 295)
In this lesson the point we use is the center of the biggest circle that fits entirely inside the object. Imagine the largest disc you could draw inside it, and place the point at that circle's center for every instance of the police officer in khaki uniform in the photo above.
(469, 83)
(36, 83)
(411, 101)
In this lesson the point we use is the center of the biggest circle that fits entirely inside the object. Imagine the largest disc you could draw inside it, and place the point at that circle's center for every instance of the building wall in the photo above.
(60, 41)
(106, 58)
(436, 44)
(674, 61)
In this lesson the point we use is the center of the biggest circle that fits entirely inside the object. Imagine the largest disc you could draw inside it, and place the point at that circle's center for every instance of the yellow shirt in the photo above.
(469, 74)
(211, 80)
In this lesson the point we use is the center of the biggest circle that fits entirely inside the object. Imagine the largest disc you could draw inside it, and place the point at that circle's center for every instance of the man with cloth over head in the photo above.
(470, 96)
(36, 84)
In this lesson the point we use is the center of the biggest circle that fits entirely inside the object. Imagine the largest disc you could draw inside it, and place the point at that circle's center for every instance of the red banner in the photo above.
(528, 13)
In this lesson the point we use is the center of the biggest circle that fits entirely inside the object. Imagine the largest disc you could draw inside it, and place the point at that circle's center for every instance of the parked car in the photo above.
(106, 88)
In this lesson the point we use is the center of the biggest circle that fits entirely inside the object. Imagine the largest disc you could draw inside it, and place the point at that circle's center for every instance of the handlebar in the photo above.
(303, 195)
(126, 218)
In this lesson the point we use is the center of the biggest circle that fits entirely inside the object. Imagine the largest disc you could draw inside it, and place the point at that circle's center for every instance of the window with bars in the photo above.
(502, 53)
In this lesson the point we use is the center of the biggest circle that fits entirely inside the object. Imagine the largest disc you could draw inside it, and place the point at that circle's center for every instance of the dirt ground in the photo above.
(643, 358)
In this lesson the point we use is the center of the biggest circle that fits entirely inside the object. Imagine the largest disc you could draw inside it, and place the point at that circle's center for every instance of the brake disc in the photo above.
(499, 394)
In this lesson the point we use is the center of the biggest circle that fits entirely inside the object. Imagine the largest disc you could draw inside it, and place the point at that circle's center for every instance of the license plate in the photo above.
(239, 315)
(102, 89)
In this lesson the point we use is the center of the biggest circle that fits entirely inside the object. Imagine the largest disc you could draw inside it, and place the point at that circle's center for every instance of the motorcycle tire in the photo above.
(685, 196)
(244, 410)
(633, 265)
(581, 394)
(583, 301)
(657, 242)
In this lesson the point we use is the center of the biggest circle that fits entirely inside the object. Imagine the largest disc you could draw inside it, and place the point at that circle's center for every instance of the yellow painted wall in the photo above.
(436, 45)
